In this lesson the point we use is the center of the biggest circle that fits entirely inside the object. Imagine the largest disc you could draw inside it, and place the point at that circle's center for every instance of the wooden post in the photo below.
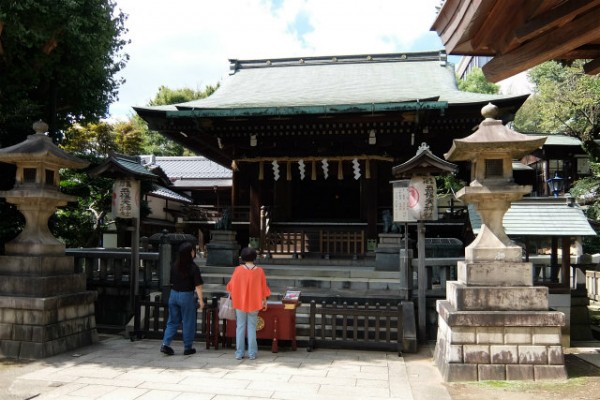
(422, 282)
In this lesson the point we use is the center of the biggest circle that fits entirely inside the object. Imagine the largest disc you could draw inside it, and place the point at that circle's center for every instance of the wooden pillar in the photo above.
(566, 261)
(370, 198)
(422, 282)
(255, 203)
(235, 181)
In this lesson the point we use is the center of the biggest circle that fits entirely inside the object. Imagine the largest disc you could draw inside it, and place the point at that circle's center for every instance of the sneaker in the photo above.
(187, 352)
(252, 356)
(167, 350)
(238, 357)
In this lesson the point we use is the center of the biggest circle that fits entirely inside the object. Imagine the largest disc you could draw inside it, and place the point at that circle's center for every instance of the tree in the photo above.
(157, 144)
(476, 82)
(564, 101)
(567, 101)
(58, 62)
(81, 225)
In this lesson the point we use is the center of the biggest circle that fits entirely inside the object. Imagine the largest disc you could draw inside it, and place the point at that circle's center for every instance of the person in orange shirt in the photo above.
(249, 292)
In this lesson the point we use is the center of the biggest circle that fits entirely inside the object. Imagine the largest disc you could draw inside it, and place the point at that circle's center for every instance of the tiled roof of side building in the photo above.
(195, 167)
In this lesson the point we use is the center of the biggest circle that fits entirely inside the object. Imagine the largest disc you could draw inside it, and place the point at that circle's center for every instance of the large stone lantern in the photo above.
(494, 324)
(45, 308)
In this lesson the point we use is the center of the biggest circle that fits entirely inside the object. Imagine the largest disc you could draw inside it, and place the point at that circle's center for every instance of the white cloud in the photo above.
(187, 43)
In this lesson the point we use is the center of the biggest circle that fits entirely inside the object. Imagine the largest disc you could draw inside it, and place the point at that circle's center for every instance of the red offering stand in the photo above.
(277, 323)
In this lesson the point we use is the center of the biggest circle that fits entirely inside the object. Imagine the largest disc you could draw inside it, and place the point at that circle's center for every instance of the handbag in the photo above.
(226, 310)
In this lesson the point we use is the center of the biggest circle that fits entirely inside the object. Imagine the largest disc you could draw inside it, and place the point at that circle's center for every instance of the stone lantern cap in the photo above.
(493, 137)
(40, 148)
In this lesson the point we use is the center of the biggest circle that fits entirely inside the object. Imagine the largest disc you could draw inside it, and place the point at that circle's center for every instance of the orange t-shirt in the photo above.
(248, 288)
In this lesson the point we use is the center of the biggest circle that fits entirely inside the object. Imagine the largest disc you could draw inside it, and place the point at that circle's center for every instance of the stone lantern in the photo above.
(36, 192)
(45, 308)
(494, 324)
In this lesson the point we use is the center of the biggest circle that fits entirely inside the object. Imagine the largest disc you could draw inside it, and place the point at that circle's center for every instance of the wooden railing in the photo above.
(592, 283)
(290, 243)
(150, 318)
(350, 243)
(113, 266)
(358, 326)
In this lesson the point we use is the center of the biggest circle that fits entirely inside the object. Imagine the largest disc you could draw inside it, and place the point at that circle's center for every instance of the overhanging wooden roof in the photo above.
(521, 34)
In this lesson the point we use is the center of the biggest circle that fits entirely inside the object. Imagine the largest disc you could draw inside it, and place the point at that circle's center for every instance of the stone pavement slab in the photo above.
(116, 368)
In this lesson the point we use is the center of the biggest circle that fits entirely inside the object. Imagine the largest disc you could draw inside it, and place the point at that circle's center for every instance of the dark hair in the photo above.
(248, 254)
(184, 258)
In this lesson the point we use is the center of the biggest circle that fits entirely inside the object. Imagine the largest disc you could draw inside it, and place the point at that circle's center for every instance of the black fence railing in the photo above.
(369, 326)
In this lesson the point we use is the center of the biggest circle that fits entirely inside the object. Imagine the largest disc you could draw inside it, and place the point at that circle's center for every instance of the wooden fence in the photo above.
(358, 326)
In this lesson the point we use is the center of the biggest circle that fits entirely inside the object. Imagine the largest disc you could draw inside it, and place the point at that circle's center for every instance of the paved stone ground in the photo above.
(116, 368)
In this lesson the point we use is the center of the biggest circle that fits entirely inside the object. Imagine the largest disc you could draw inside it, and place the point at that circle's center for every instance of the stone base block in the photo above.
(479, 298)
(499, 345)
(36, 350)
(32, 328)
(494, 274)
(37, 265)
(392, 259)
(494, 253)
(223, 254)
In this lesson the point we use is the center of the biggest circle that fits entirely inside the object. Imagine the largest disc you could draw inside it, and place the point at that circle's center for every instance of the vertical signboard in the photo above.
(415, 199)
(126, 199)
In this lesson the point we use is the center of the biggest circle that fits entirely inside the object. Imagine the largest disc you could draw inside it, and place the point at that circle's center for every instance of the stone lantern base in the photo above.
(496, 326)
(44, 307)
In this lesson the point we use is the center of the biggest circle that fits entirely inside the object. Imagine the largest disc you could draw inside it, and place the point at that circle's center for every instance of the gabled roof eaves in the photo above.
(165, 193)
(191, 168)
(335, 87)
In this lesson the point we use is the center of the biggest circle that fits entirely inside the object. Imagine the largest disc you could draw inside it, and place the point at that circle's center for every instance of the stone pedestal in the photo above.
(45, 309)
(390, 254)
(223, 249)
(496, 326)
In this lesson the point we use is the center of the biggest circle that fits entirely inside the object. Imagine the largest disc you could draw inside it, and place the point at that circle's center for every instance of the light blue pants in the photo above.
(182, 310)
(245, 328)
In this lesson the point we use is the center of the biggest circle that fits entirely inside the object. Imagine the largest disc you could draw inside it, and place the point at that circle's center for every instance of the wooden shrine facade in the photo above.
(312, 141)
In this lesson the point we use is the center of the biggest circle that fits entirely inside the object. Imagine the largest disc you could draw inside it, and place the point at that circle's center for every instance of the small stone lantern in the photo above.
(36, 192)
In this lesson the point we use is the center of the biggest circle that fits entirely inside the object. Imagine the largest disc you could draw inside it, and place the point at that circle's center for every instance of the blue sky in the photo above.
(187, 43)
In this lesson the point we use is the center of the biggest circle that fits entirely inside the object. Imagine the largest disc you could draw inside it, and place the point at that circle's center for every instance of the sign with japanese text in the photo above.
(126, 199)
(415, 199)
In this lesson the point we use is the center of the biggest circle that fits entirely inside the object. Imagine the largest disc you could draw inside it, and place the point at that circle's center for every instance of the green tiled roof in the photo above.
(540, 216)
(335, 84)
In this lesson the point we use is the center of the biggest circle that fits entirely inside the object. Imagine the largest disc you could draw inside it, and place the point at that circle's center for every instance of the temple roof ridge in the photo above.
(438, 55)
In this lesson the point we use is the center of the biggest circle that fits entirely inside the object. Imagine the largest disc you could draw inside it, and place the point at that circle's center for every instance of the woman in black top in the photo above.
(185, 279)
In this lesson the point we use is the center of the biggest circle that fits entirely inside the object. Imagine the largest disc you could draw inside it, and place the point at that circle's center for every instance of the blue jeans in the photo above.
(245, 328)
(182, 310)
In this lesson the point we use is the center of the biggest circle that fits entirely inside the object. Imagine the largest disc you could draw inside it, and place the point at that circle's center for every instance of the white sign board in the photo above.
(126, 199)
(415, 199)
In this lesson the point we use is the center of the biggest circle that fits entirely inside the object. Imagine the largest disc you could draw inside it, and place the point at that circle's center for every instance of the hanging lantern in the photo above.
(288, 171)
(313, 172)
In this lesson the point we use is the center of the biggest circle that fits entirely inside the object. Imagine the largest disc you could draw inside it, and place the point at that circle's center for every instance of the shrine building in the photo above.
(312, 141)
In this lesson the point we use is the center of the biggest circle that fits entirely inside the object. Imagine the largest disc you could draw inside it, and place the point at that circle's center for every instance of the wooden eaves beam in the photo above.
(544, 48)
(554, 18)
(592, 67)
